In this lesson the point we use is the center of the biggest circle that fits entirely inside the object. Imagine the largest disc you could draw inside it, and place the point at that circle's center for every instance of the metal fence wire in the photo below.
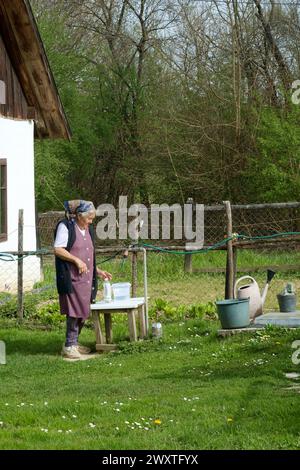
(251, 220)
(269, 238)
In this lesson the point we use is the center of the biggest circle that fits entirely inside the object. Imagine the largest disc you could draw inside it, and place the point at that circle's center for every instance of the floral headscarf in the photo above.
(78, 206)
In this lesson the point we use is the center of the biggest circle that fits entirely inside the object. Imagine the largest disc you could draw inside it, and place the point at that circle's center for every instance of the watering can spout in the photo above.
(270, 275)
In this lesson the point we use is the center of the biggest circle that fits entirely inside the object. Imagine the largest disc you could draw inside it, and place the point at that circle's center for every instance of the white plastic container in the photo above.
(107, 291)
(121, 290)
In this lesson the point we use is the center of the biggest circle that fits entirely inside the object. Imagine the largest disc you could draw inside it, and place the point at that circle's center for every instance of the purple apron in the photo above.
(78, 303)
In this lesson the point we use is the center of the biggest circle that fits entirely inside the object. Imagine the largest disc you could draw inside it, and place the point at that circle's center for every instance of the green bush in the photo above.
(163, 310)
(49, 314)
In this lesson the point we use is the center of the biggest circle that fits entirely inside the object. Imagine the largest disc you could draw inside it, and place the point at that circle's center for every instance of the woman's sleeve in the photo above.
(62, 235)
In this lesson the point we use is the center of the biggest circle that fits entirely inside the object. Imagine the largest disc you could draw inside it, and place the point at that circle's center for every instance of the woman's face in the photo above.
(86, 220)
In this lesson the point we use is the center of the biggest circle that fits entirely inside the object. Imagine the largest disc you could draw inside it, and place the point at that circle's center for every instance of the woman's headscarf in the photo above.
(78, 206)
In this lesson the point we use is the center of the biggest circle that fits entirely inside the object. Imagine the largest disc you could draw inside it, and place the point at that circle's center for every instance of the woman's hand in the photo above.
(82, 267)
(104, 274)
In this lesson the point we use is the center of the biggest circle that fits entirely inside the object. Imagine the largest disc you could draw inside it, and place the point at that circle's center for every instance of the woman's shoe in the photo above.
(70, 352)
(83, 349)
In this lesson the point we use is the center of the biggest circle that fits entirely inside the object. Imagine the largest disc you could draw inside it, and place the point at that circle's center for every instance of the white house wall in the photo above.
(17, 147)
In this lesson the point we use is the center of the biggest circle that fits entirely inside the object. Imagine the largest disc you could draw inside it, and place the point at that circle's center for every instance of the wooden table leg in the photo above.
(142, 321)
(132, 325)
(97, 325)
(108, 327)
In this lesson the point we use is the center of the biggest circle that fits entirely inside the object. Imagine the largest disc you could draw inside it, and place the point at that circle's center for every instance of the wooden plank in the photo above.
(279, 205)
(142, 322)
(97, 325)
(108, 327)
(132, 324)
(16, 104)
(106, 347)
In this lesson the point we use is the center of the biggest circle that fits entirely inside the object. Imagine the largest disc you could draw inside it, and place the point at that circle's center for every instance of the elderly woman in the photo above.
(76, 271)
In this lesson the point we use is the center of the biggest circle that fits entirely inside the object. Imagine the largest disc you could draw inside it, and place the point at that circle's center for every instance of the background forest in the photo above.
(172, 99)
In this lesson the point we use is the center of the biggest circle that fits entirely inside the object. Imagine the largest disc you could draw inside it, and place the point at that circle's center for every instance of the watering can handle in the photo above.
(241, 279)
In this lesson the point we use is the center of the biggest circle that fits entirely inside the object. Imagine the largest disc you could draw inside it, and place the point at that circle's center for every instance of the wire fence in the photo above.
(263, 236)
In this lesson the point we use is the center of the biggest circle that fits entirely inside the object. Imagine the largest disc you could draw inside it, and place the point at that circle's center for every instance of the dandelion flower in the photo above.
(157, 421)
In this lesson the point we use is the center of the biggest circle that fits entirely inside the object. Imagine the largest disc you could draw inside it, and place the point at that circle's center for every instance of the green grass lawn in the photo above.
(190, 390)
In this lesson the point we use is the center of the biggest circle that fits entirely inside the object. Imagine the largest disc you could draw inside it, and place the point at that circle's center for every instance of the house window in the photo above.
(3, 200)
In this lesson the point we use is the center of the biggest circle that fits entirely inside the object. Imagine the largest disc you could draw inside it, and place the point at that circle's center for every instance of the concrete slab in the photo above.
(235, 331)
(284, 319)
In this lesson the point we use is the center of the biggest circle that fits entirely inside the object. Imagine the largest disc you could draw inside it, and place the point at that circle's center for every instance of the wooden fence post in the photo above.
(188, 261)
(38, 241)
(230, 261)
(20, 264)
(235, 256)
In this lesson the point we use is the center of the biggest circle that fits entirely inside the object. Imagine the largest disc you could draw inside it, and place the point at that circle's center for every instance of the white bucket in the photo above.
(121, 290)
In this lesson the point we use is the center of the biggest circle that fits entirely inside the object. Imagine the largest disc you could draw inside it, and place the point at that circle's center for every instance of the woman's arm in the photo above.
(63, 254)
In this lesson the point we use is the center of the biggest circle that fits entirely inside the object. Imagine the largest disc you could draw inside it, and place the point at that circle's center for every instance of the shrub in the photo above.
(164, 310)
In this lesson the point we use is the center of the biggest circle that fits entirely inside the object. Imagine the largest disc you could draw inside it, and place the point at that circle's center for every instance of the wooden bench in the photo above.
(134, 307)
